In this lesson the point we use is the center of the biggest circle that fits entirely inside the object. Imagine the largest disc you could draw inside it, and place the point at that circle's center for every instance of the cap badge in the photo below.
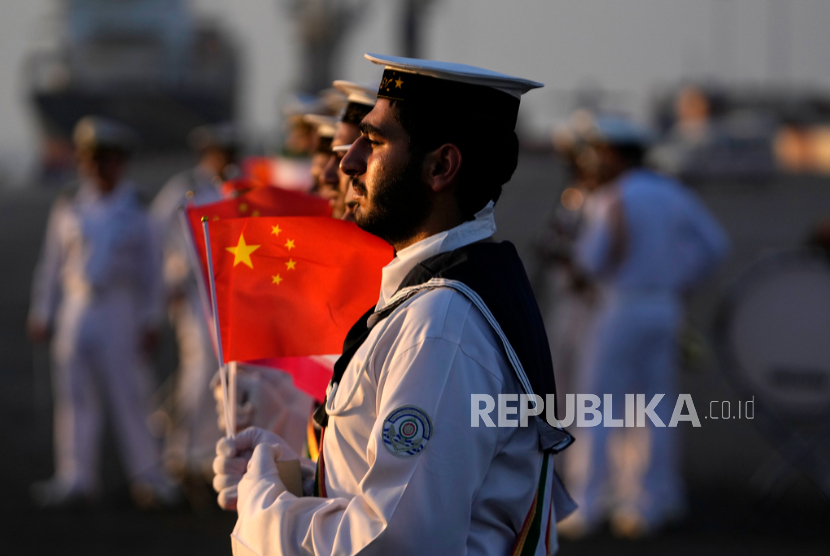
(387, 83)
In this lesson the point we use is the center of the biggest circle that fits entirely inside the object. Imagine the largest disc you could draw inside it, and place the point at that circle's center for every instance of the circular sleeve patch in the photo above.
(406, 431)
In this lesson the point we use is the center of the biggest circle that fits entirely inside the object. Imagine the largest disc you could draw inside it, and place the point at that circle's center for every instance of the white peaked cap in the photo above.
(324, 125)
(462, 73)
(355, 92)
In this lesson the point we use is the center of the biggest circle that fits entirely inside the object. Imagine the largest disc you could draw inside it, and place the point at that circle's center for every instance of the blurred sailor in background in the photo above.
(95, 285)
(647, 241)
(324, 127)
(192, 439)
(360, 101)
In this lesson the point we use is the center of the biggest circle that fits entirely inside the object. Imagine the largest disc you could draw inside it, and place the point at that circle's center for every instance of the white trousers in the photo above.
(97, 361)
(633, 350)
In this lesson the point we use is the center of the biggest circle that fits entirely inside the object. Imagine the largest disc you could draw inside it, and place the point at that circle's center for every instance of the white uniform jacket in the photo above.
(673, 242)
(456, 489)
(96, 247)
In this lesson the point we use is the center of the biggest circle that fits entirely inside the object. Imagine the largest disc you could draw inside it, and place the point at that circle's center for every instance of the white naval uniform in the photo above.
(467, 491)
(672, 242)
(95, 281)
(195, 434)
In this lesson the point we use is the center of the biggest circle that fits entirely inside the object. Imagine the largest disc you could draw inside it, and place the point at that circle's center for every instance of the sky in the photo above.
(629, 47)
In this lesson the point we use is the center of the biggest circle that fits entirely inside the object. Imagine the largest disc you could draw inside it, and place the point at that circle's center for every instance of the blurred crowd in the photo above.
(626, 245)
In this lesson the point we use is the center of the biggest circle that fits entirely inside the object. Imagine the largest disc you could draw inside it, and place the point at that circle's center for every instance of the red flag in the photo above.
(260, 201)
(292, 286)
(263, 201)
(282, 172)
(259, 168)
(239, 186)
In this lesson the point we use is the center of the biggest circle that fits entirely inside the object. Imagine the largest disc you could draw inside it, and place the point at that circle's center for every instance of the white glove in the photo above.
(246, 385)
(268, 399)
(261, 484)
(235, 457)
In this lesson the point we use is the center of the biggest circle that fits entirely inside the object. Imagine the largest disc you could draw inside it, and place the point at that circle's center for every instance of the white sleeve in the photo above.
(594, 246)
(122, 252)
(167, 237)
(404, 502)
(150, 284)
(167, 201)
(46, 281)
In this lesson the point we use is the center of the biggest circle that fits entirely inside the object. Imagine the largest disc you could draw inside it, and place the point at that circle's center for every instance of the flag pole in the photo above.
(232, 393)
(192, 254)
(223, 374)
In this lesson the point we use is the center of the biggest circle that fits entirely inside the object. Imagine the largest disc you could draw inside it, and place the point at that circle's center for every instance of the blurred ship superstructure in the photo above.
(147, 63)
(742, 132)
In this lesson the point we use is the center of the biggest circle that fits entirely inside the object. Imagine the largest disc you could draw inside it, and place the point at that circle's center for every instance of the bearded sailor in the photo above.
(401, 470)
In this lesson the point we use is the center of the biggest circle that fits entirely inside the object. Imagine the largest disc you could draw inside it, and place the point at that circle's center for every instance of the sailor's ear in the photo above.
(442, 166)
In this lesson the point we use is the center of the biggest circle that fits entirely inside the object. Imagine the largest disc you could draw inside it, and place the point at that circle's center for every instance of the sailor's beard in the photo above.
(396, 206)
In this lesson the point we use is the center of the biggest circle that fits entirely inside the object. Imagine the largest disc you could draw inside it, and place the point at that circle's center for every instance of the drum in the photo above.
(774, 334)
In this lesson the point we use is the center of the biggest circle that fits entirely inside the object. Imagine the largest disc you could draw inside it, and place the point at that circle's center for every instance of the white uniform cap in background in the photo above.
(324, 125)
(355, 92)
(360, 100)
(94, 132)
(327, 102)
(299, 104)
(332, 101)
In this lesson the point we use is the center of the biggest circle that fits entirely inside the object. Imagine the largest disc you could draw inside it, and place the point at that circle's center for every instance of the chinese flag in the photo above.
(260, 201)
(292, 286)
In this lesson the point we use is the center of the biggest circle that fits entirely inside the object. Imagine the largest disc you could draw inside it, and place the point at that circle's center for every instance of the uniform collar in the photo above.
(481, 227)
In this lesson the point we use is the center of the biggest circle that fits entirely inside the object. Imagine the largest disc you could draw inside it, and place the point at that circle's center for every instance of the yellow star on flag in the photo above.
(255, 213)
(276, 279)
(242, 252)
(290, 244)
(275, 230)
(291, 264)
(398, 83)
(243, 207)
